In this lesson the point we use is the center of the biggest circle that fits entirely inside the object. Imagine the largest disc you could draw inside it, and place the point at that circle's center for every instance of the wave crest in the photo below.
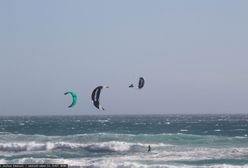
(112, 146)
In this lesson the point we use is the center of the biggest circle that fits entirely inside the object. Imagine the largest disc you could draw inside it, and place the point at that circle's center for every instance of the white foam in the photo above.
(109, 146)
(184, 130)
(217, 130)
(102, 121)
(17, 147)
(119, 154)
(160, 155)
(114, 146)
(113, 162)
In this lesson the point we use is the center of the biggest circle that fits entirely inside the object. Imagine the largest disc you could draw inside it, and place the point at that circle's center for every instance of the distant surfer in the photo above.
(149, 148)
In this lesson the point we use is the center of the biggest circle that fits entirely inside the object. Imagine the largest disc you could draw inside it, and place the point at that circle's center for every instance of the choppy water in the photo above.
(121, 141)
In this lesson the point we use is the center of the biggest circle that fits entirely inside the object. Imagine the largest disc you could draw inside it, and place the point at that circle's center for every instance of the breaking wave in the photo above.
(48, 146)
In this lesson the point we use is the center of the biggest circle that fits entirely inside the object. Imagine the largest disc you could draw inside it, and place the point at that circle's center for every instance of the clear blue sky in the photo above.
(193, 55)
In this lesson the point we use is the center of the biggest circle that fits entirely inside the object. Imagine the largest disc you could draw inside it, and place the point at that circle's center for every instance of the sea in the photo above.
(105, 141)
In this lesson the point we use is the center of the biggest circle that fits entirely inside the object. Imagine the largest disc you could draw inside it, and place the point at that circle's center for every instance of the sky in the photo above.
(193, 55)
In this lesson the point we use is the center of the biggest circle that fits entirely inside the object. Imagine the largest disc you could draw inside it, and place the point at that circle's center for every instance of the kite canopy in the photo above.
(131, 86)
(140, 84)
(96, 95)
(74, 98)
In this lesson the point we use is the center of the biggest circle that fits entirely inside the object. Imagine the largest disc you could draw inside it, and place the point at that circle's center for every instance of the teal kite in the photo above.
(74, 97)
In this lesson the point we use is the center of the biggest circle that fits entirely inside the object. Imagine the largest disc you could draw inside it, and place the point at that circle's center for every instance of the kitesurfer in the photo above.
(149, 148)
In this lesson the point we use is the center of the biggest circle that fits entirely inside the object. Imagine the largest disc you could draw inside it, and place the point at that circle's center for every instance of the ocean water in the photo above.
(121, 141)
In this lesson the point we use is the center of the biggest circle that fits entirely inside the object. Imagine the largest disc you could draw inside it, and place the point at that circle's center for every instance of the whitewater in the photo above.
(214, 141)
